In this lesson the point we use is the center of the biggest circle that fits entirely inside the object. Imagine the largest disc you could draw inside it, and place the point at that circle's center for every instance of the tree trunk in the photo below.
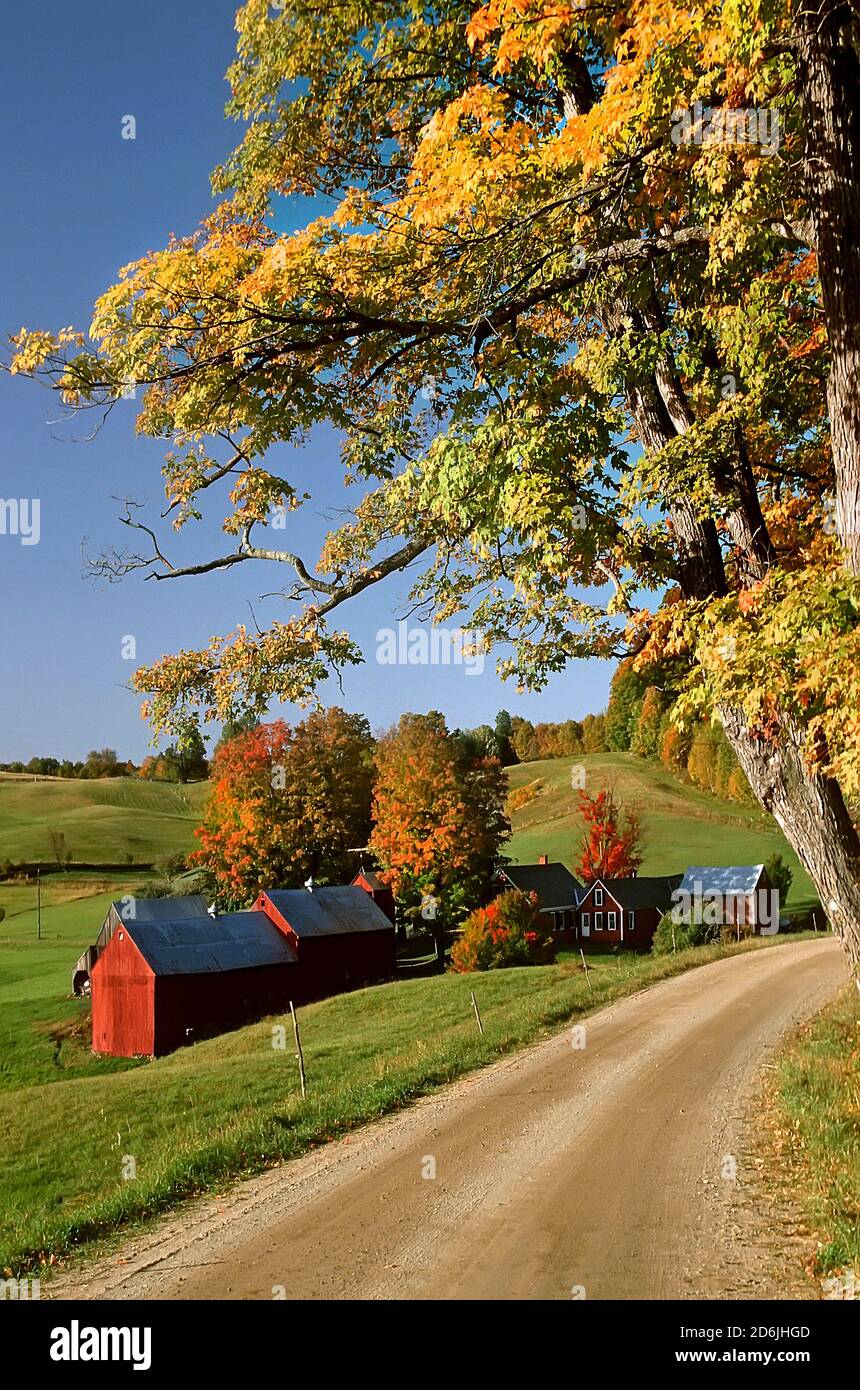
(810, 810)
(828, 52)
(812, 815)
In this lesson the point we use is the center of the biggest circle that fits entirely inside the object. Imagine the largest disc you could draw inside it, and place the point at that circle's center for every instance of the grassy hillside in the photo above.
(43, 1035)
(682, 825)
(232, 1104)
(104, 821)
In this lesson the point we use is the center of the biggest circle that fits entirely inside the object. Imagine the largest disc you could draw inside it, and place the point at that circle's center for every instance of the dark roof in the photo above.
(372, 879)
(554, 884)
(339, 911)
(200, 946)
(159, 909)
(131, 909)
(633, 893)
(734, 879)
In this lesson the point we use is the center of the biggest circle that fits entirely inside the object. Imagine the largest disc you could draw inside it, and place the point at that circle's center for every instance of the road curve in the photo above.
(614, 1170)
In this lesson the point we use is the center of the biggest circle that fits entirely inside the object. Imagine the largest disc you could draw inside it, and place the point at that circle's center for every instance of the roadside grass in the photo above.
(815, 1107)
(681, 824)
(230, 1106)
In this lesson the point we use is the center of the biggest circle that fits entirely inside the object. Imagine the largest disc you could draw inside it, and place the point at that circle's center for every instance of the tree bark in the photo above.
(810, 810)
(812, 815)
(828, 53)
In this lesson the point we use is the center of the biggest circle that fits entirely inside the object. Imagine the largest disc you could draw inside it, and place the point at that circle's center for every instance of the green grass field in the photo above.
(231, 1105)
(681, 825)
(103, 821)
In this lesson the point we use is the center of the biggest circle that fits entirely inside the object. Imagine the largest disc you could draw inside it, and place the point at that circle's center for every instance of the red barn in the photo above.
(381, 894)
(341, 937)
(157, 985)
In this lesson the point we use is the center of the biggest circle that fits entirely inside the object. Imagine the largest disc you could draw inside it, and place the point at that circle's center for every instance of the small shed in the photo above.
(736, 895)
(157, 985)
(341, 936)
(379, 891)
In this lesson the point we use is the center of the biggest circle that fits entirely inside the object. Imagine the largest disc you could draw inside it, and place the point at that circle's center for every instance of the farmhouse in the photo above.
(624, 911)
(166, 976)
(557, 890)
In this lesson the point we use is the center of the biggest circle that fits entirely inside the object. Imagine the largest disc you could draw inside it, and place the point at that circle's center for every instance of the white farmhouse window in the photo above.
(612, 921)
(631, 920)
(585, 919)
(598, 921)
(598, 897)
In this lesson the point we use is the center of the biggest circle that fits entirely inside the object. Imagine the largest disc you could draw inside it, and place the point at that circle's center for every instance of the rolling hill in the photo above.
(681, 824)
(103, 821)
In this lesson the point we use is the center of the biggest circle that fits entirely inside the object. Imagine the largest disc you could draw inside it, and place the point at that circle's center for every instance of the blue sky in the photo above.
(79, 201)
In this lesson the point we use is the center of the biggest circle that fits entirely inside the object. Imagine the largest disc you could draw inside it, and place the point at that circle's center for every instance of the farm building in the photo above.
(142, 910)
(164, 976)
(380, 892)
(624, 911)
(557, 890)
(158, 985)
(342, 938)
(739, 895)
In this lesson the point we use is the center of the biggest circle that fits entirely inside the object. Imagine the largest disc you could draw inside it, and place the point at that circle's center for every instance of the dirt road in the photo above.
(617, 1169)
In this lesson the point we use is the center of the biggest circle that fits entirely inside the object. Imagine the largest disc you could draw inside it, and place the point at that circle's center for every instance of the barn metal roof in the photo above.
(554, 884)
(336, 911)
(159, 909)
(234, 941)
(734, 879)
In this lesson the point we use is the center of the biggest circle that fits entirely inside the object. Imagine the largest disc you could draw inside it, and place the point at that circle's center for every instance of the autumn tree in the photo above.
(646, 739)
(612, 841)
(586, 312)
(439, 819)
(287, 804)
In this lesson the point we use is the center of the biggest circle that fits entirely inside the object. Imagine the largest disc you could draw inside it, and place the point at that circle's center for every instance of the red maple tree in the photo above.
(612, 847)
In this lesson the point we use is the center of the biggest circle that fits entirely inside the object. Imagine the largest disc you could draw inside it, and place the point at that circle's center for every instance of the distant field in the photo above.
(682, 825)
(103, 821)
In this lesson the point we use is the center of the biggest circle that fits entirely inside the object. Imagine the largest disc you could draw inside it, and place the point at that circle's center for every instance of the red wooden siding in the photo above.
(123, 989)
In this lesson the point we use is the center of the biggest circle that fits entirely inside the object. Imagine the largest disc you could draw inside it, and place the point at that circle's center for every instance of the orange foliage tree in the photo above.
(507, 932)
(439, 818)
(288, 803)
(613, 837)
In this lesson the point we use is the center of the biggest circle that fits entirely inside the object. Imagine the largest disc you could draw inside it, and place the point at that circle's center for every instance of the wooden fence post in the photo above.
(299, 1055)
(585, 968)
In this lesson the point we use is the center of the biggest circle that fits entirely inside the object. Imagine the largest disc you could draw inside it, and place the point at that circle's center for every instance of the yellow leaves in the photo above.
(33, 348)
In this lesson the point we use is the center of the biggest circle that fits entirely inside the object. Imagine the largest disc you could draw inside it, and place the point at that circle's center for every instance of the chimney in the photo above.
(542, 859)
